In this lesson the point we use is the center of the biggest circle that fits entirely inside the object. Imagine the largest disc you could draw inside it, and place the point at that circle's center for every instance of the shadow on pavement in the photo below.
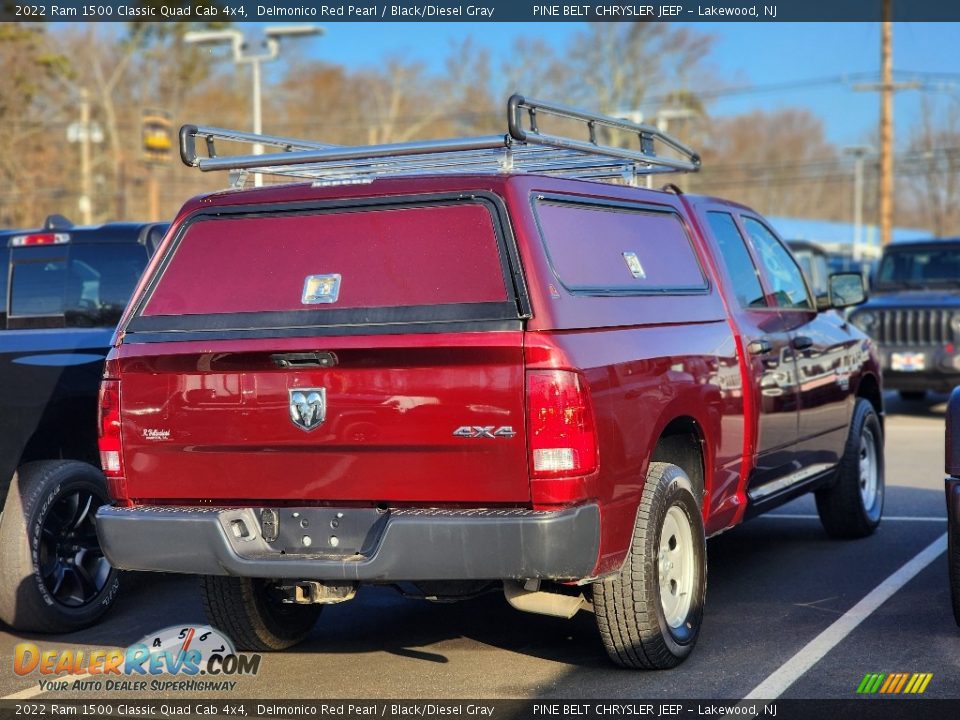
(933, 405)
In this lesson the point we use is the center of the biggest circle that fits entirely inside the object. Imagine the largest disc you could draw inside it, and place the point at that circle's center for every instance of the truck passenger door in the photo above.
(766, 340)
(824, 351)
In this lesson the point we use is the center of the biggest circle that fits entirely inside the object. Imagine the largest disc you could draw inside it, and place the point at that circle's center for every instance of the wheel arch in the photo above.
(869, 389)
(682, 443)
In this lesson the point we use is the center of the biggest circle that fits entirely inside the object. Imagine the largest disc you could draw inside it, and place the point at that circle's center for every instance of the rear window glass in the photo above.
(921, 267)
(342, 259)
(606, 248)
(88, 284)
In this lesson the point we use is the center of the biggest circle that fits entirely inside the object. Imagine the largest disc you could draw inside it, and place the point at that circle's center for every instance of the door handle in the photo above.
(304, 360)
(759, 347)
(802, 342)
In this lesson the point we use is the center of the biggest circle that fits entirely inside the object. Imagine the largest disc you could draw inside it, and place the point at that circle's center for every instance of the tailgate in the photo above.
(378, 426)
(361, 354)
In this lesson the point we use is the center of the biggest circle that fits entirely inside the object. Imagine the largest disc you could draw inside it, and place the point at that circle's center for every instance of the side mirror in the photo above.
(846, 290)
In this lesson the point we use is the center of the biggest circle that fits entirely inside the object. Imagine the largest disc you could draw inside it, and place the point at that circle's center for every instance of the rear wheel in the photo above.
(852, 506)
(251, 613)
(54, 577)
(649, 614)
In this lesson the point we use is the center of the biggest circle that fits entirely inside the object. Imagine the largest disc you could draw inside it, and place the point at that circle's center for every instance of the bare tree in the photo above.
(34, 124)
(617, 67)
(931, 172)
(778, 162)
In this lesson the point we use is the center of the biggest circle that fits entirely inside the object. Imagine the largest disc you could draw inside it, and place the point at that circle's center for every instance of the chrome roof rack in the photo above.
(525, 148)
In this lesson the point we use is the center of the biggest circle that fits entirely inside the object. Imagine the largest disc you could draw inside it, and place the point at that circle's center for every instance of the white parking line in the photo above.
(886, 518)
(788, 673)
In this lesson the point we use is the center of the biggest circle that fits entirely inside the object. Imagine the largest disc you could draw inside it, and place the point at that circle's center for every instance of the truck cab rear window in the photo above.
(607, 248)
(86, 285)
(350, 259)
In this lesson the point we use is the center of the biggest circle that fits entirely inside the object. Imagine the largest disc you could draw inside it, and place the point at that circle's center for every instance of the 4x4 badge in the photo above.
(308, 407)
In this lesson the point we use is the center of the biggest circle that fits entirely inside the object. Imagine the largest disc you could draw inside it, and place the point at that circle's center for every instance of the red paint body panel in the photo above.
(394, 400)
(211, 421)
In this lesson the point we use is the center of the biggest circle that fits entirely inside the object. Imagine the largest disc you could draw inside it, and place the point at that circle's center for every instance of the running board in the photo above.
(777, 492)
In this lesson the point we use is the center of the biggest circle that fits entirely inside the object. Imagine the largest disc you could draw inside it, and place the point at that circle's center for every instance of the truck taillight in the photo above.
(110, 441)
(561, 432)
(40, 239)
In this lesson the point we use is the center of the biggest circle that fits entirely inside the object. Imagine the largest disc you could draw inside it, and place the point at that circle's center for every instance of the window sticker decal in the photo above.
(319, 289)
(633, 262)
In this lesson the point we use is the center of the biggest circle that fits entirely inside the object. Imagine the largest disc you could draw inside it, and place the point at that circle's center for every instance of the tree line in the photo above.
(778, 161)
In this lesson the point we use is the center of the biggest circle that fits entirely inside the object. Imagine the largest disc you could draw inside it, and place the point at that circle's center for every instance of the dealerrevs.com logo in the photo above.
(184, 652)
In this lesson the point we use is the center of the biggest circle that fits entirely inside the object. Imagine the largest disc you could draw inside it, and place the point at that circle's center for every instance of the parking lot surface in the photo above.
(790, 613)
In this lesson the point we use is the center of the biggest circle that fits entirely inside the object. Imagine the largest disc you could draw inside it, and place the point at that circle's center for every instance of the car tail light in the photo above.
(560, 426)
(40, 239)
(110, 441)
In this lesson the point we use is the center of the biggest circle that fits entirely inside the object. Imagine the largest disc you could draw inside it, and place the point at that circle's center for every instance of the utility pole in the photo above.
(85, 133)
(887, 87)
(86, 179)
(886, 125)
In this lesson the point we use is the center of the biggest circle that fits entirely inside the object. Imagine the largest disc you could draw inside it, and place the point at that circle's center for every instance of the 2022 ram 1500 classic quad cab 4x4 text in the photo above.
(456, 378)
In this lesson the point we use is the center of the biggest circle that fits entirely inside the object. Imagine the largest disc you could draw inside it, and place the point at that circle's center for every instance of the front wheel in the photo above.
(649, 614)
(852, 505)
(53, 576)
(251, 613)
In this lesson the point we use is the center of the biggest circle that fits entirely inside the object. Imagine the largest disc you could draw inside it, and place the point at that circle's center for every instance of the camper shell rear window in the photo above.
(333, 267)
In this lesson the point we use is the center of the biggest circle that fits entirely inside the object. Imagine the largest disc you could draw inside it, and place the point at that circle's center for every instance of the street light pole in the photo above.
(238, 44)
(257, 109)
(859, 152)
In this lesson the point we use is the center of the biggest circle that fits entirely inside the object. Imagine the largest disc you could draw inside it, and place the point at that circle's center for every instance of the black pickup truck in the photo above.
(62, 290)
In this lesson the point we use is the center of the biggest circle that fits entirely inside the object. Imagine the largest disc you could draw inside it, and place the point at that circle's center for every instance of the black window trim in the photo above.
(619, 205)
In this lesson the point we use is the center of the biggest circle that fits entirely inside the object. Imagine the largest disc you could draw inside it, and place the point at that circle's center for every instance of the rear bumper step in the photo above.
(353, 544)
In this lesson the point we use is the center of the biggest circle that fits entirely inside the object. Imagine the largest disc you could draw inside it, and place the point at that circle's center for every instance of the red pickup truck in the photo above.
(471, 363)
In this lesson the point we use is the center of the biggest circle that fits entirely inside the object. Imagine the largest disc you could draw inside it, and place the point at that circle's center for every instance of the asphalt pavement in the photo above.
(788, 611)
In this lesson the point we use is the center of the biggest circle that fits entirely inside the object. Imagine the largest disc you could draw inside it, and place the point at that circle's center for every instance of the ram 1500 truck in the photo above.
(471, 362)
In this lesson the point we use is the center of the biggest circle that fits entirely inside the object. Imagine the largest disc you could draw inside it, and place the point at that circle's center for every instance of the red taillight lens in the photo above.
(110, 441)
(562, 436)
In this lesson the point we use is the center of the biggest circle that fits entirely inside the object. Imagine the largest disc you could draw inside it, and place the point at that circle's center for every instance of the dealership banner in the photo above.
(480, 11)
(859, 709)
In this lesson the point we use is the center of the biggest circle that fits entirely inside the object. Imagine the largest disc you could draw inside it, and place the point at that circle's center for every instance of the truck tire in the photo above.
(54, 577)
(649, 614)
(851, 506)
(246, 610)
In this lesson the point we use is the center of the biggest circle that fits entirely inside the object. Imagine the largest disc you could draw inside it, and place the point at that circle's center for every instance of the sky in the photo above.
(745, 54)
